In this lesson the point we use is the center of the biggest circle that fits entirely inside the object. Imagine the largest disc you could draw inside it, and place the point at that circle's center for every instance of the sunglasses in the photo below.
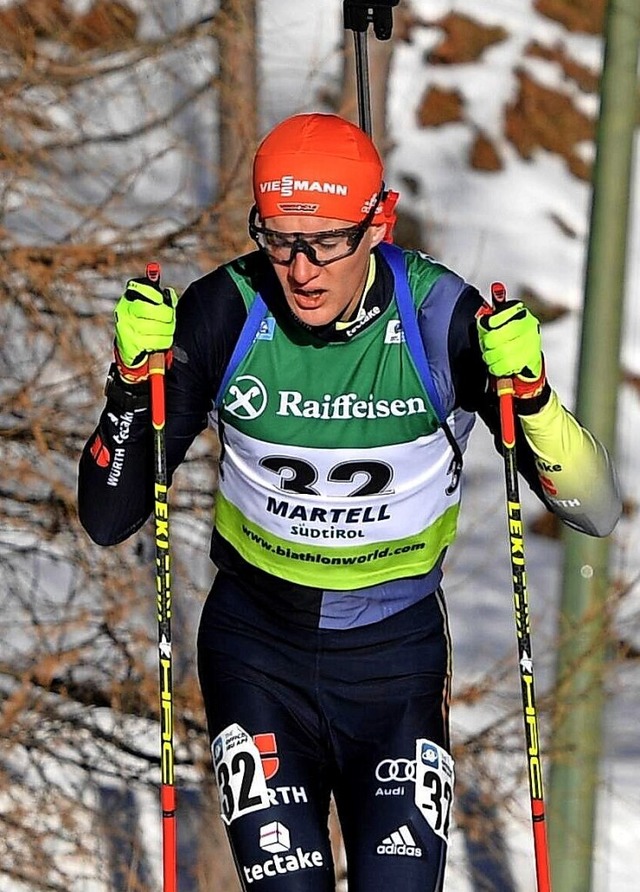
(321, 248)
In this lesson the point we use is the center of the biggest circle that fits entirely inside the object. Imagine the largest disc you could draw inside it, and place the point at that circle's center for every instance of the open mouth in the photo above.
(308, 299)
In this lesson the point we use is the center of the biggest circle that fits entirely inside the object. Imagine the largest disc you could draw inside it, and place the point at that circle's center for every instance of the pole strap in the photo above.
(359, 14)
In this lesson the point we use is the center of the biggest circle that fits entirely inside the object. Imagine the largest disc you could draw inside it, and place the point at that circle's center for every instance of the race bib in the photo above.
(239, 774)
(434, 786)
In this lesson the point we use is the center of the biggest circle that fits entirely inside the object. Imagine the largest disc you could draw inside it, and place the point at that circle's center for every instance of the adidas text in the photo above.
(400, 842)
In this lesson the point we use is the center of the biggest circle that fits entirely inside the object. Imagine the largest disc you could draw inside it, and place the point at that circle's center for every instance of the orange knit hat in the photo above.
(320, 165)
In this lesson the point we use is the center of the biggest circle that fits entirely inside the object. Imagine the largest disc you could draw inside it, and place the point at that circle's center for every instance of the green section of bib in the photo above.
(423, 273)
(359, 394)
(294, 388)
(341, 568)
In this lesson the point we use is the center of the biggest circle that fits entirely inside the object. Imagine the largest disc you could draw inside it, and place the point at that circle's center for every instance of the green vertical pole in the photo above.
(582, 648)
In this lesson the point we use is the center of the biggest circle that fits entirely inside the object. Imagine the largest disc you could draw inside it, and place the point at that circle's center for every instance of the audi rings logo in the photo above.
(246, 398)
(400, 771)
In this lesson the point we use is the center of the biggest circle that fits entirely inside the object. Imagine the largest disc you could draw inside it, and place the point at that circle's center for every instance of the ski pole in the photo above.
(163, 606)
(523, 623)
(358, 15)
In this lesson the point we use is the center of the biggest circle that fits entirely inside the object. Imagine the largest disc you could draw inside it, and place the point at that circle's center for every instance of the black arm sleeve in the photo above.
(115, 481)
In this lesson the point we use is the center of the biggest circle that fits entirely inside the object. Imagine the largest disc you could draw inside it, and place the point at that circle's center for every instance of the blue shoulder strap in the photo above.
(247, 335)
(407, 311)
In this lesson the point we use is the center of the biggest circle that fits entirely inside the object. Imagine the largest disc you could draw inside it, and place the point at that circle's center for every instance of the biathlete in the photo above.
(343, 375)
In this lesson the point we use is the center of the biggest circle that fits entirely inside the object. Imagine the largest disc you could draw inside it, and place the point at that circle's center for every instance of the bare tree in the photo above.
(238, 101)
(95, 180)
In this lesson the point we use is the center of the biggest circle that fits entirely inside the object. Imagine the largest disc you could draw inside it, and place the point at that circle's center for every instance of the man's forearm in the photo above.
(575, 470)
(115, 482)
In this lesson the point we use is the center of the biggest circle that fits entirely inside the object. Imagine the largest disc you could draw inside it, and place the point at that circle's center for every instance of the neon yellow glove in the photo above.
(145, 318)
(512, 348)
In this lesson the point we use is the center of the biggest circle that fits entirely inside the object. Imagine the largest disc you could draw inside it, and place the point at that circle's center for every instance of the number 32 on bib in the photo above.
(434, 786)
(238, 768)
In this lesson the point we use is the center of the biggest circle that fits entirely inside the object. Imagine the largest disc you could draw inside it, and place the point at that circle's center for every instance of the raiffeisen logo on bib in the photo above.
(275, 838)
(246, 397)
(348, 405)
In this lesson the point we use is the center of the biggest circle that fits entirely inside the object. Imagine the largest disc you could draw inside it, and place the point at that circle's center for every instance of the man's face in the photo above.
(318, 295)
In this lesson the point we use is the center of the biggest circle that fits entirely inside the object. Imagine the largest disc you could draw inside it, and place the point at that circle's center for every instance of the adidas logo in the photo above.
(400, 842)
